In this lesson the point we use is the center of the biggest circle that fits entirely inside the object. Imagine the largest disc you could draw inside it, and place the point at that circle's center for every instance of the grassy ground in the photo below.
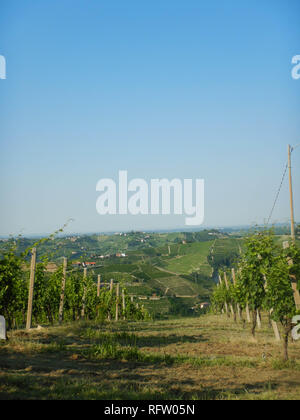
(194, 358)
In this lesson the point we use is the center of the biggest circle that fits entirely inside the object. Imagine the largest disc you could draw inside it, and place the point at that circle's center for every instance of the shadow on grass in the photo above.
(132, 339)
(110, 381)
(68, 375)
(105, 362)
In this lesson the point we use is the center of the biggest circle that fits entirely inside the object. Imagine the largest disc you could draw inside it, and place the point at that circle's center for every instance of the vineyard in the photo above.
(266, 280)
(58, 296)
(74, 328)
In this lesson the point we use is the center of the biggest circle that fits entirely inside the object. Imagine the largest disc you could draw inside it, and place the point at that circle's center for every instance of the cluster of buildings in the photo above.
(118, 254)
(83, 264)
(92, 263)
(153, 297)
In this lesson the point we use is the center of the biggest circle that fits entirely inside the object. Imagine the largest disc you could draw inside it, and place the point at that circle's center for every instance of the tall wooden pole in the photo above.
(62, 295)
(291, 193)
(31, 288)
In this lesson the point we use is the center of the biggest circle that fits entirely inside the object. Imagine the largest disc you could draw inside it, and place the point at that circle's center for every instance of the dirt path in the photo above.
(167, 271)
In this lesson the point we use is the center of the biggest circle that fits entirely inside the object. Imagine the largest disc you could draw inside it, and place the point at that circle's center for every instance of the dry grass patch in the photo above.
(196, 358)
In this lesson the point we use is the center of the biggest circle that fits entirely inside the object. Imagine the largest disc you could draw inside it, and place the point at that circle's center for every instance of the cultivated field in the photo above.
(208, 357)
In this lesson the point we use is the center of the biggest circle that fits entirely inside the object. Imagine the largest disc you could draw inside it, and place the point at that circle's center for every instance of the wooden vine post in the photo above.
(31, 288)
(62, 294)
(98, 292)
(225, 303)
(117, 301)
(273, 323)
(227, 287)
(248, 313)
(84, 293)
(98, 285)
(237, 305)
(111, 288)
(123, 304)
(275, 329)
(219, 284)
(247, 308)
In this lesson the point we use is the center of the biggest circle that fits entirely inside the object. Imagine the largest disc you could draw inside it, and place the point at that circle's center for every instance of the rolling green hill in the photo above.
(180, 270)
(156, 267)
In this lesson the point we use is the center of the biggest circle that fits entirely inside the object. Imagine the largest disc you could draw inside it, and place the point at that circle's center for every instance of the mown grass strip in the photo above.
(112, 350)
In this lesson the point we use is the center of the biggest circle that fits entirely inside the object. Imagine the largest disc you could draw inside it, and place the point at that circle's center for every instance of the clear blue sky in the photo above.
(162, 88)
